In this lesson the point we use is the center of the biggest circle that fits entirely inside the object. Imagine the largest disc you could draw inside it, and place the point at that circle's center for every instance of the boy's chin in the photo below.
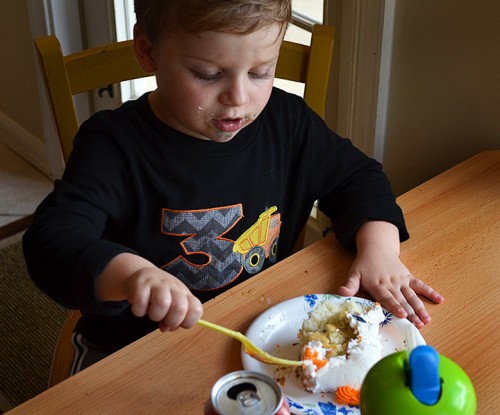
(218, 136)
(224, 137)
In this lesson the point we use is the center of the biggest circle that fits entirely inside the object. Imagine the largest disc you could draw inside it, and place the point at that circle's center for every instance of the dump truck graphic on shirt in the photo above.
(204, 232)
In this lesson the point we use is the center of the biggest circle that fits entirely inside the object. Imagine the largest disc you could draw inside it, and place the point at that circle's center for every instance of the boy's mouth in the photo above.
(228, 125)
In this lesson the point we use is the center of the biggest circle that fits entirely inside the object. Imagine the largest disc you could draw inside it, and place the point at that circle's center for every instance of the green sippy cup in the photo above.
(425, 383)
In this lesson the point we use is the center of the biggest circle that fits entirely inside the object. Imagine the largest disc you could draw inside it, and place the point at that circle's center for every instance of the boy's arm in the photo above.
(378, 270)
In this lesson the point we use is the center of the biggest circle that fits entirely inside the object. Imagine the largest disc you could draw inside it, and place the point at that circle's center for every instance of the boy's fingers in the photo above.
(413, 318)
(389, 301)
(403, 309)
(415, 302)
(139, 302)
(425, 290)
(195, 312)
(178, 311)
(414, 307)
(161, 302)
(189, 317)
(395, 307)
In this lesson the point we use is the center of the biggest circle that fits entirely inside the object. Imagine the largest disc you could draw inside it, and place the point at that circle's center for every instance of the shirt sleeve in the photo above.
(64, 248)
(352, 188)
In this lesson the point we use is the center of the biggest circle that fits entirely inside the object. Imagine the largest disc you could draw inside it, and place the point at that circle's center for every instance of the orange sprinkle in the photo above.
(313, 356)
(347, 395)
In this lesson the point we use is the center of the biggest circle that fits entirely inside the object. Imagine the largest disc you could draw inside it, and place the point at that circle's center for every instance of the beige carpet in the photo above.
(29, 327)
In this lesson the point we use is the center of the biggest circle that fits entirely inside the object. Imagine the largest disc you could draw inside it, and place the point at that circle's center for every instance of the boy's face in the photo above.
(212, 85)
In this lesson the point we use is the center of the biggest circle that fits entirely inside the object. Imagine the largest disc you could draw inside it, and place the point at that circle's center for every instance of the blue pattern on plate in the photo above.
(329, 408)
(311, 299)
(359, 318)
(293, 404)
(325, 408)
(388, 318)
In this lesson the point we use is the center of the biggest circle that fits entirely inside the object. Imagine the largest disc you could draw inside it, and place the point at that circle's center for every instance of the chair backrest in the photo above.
(94, 68)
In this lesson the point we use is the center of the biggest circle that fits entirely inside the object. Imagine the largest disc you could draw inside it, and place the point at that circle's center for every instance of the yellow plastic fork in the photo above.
(250, 348)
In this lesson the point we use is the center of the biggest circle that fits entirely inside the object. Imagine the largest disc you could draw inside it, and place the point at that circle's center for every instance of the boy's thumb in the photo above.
(351, 286)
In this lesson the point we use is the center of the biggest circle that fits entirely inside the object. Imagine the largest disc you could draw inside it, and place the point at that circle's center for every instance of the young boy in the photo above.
(143, 227)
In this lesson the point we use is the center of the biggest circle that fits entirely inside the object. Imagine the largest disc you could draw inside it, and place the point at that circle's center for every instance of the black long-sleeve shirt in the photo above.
(133, 184)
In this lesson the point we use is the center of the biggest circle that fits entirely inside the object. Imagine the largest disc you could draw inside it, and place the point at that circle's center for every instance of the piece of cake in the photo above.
(339, 343)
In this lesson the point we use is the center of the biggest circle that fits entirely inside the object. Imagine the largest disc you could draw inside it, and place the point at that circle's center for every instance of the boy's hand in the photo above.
(150, 291)
(390, 283)
(378, 270)
(163, 298)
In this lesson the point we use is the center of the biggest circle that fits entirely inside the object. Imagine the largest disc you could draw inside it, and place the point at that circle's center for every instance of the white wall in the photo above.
(25, 120)
(444, 97)
(21, 124)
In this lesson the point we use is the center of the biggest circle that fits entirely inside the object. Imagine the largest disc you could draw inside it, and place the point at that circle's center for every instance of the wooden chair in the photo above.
(63, 354)
(94, 68)
(66, 76)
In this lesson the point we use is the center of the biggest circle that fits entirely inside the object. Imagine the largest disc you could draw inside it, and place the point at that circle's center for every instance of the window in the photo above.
(125, 20)
(306, 13)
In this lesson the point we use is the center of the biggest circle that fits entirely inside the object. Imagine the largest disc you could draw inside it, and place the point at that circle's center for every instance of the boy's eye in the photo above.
(261, 76)
(206, 77)
(216, 76)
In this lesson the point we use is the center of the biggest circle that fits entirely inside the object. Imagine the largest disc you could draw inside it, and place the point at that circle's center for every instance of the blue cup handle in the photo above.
(424, 379)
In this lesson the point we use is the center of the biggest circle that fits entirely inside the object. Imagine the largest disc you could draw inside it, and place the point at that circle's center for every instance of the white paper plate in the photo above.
(275, 331)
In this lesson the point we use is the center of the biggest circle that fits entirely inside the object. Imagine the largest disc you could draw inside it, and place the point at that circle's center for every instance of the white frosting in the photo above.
(363, 352)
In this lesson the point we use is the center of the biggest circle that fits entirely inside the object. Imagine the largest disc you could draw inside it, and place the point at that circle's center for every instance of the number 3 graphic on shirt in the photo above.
(203, 230)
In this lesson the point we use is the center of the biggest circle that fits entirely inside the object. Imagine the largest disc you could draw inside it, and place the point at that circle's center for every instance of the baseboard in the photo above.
(20, 140)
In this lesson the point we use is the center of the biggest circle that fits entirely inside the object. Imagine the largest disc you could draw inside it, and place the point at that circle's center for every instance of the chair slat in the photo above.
(293, 62)
(101, 66)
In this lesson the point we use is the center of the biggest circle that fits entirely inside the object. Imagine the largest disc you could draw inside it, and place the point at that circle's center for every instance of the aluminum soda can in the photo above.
(246, 393)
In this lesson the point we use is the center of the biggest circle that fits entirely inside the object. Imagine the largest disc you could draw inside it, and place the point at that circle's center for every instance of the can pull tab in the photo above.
(248, 399)
(425, 383)
(250, 403)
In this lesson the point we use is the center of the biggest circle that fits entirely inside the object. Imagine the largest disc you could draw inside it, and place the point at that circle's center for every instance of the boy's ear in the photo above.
(143, 49)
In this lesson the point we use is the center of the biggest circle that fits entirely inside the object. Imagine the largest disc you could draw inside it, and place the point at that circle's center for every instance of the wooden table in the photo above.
(454, 221)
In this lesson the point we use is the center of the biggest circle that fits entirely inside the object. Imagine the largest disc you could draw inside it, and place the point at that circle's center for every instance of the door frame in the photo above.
(361, 74)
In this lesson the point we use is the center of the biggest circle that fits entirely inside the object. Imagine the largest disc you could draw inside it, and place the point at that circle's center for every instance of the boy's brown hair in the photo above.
(196, 16)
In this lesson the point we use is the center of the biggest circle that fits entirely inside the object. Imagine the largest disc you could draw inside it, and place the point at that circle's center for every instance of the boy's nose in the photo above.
(235, 94)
